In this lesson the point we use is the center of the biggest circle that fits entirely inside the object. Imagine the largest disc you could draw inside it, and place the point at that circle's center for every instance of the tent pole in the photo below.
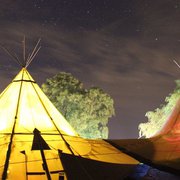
(24, 152)
(26, 166)
(59, 153)
(45, 166)
(24, 51)
(8, 154)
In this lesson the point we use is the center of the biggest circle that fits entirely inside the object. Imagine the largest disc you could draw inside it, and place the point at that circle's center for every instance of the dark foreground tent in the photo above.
(82, 168)
(35, 139)
(161, 151)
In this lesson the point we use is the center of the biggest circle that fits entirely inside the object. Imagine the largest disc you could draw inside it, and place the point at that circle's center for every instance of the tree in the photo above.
(87, 110)
(157, 118)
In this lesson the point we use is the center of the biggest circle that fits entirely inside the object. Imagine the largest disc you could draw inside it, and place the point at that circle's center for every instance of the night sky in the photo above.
(126, 47)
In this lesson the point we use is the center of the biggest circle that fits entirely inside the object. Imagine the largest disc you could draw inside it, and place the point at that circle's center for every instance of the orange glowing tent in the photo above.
(161, 151)
(35, 137)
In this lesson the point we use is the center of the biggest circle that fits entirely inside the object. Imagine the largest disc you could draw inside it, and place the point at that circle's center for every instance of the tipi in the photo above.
(161, 151)
(36, 142)
(34, 136)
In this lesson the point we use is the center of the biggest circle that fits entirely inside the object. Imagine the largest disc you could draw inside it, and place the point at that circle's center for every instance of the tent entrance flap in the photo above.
(40, 144)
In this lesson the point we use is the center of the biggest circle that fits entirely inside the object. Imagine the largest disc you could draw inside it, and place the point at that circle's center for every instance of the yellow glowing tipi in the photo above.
(34, 135)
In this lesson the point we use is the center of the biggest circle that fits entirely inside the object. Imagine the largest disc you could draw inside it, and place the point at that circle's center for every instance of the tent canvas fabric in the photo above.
(25, 104)
(161, 151)
(27, 114)
(86, 169)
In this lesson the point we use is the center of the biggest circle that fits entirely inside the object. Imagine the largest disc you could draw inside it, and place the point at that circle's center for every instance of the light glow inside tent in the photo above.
(34, 135)
(29, 106)
(24, 108)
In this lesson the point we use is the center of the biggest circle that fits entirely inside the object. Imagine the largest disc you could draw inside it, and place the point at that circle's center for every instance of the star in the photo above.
(110, 44)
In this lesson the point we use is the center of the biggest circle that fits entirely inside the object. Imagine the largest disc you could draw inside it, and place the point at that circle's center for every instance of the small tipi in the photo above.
(34, 135)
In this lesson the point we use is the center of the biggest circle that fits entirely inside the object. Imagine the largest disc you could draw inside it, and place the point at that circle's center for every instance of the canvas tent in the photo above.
(36, 142)
(161, 151)
(33, 134)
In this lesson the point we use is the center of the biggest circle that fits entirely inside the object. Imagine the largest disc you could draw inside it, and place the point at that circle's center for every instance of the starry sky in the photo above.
(126, 47)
